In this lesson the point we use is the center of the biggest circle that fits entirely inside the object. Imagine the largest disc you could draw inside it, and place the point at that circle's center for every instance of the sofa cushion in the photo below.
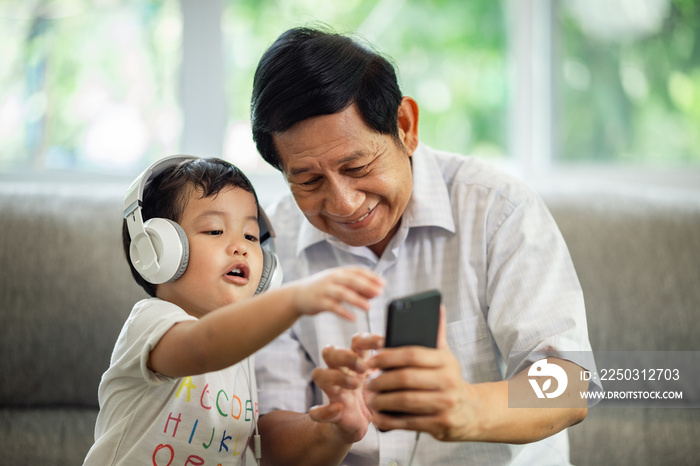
(636, 436)
(46, 436)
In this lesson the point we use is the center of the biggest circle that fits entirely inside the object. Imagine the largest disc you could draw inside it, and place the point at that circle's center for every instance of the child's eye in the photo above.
(215, 232)
(252, 238)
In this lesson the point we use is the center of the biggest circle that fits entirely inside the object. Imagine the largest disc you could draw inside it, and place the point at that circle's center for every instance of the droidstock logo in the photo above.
(544, 369)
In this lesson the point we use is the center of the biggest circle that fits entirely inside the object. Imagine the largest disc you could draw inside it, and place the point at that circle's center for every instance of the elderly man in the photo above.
(328, 113)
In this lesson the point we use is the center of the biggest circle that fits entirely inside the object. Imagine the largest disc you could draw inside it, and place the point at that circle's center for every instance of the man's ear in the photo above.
(408, 124)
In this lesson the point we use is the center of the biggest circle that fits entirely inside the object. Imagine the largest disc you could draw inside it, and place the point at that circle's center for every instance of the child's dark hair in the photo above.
(167, 194)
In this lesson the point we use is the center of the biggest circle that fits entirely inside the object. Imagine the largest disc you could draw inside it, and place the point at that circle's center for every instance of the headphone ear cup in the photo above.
(172, 250)
(271, 274)
(183, 253)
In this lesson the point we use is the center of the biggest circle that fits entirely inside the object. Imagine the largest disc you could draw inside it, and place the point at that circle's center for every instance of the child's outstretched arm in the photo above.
(228, 335)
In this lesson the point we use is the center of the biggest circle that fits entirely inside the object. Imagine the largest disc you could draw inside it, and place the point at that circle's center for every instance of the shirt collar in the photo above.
(430, 201)
(429, 204)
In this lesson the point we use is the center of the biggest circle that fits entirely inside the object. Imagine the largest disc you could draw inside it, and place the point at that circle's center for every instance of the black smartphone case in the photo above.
(413, 320)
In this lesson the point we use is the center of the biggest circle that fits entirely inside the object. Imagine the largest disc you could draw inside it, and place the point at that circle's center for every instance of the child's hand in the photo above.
(330, 289)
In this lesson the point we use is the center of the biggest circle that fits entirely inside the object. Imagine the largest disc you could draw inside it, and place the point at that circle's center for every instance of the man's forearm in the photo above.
(292, 438)
(520, 425)
(504, 424)
(453, 410)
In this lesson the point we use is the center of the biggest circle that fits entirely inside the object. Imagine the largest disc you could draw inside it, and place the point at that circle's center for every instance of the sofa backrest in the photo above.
(637, 255)
(65, 291)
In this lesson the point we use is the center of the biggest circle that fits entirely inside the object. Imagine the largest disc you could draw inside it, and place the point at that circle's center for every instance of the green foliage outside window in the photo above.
(450, 57)
(632, 98)
(95, 85)
(88, 85)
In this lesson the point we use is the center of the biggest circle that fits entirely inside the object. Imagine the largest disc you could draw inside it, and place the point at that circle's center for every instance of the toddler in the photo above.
(180, 389)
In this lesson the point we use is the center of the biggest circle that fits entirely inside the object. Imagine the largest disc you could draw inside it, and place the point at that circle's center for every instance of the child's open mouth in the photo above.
(238, 274)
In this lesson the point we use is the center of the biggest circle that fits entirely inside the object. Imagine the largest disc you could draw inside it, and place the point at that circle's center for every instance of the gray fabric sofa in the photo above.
(65, 291)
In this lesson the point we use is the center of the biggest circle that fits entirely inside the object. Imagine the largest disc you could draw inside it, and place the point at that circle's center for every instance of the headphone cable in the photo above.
(415, 447)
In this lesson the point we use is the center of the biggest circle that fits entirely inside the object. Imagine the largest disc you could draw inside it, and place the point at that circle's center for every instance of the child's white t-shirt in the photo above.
(146, 418)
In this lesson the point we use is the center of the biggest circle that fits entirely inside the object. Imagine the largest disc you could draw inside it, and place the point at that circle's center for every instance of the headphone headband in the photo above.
(134, 195)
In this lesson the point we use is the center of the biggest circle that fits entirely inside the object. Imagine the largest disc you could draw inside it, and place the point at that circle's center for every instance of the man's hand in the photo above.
(343, 383)
(427, 385)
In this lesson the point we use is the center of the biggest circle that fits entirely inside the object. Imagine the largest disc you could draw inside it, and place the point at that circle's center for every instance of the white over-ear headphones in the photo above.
(159, 248)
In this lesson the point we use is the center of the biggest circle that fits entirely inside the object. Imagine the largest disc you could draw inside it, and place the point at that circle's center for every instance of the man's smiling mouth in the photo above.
(352, 222)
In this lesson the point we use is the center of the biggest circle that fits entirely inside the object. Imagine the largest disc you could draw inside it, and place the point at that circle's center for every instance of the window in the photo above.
(629, 77)
(89, 85)
(454, 65)
(109, 86)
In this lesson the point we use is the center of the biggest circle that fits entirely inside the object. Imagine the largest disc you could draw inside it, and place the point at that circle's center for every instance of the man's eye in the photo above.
(311, 182)
(358, 170)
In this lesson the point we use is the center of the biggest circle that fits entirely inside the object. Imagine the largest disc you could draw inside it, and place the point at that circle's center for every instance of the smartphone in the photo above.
(413, 320)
